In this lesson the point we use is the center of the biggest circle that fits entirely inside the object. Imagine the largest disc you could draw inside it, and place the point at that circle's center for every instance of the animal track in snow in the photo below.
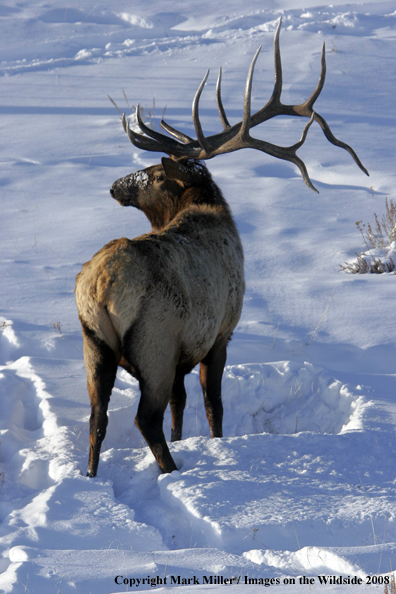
(130, 34)
(27, 424)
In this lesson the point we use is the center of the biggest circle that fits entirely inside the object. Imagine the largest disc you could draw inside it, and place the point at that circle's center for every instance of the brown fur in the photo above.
(162, 303)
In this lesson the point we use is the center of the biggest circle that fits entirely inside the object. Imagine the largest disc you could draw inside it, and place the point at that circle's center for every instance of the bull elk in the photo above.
(160, 304)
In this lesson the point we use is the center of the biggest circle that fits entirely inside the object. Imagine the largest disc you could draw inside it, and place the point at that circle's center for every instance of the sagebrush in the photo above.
(378, 257)
(391, 589)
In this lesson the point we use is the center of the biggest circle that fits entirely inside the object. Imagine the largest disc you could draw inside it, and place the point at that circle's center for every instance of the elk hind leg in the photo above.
(101, 367)
(149, 421)
(211, 373)
(177, 405)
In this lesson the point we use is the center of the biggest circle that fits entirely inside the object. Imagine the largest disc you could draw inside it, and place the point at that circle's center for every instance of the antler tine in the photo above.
(149, 131)
(276, 93)
(331, 138)
(153, 141)
(198, 128)
(274, 106)
(287, 153)
(304, 172)
(244, 131)
(299, 162)
(176, 133)
(220, 107)
(322, 77)
(195, 116)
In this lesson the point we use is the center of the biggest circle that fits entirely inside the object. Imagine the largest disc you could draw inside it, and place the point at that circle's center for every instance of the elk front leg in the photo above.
(211, 373)
(149, 421)
(101, 368)
(177, 405)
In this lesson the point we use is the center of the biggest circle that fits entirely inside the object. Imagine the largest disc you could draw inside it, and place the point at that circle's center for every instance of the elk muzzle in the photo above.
(126, 189)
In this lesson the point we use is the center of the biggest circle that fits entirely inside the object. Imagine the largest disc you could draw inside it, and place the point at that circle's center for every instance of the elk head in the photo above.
(161, 191)
(236, 137)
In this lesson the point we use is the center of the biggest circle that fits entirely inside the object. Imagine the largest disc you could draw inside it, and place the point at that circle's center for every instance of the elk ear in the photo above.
(175, 170)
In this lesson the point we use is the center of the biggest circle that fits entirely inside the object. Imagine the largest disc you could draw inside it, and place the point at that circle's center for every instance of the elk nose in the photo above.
(112, 192)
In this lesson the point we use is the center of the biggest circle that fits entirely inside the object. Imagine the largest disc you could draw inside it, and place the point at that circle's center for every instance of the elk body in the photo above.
(160, 304)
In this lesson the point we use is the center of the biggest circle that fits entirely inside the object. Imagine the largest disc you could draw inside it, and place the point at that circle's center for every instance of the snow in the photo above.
(303, 483)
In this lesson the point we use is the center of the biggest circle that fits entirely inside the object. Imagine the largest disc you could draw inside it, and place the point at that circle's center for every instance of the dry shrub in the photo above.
(392, 586)
(377, 258)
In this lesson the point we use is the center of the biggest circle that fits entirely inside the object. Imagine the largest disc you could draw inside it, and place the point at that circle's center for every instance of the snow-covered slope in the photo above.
(303, 483)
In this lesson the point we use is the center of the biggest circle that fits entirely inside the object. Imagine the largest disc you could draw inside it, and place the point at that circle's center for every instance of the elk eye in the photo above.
(159, 178)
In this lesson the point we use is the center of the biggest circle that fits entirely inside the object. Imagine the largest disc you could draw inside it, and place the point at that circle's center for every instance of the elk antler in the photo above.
(236, 137)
